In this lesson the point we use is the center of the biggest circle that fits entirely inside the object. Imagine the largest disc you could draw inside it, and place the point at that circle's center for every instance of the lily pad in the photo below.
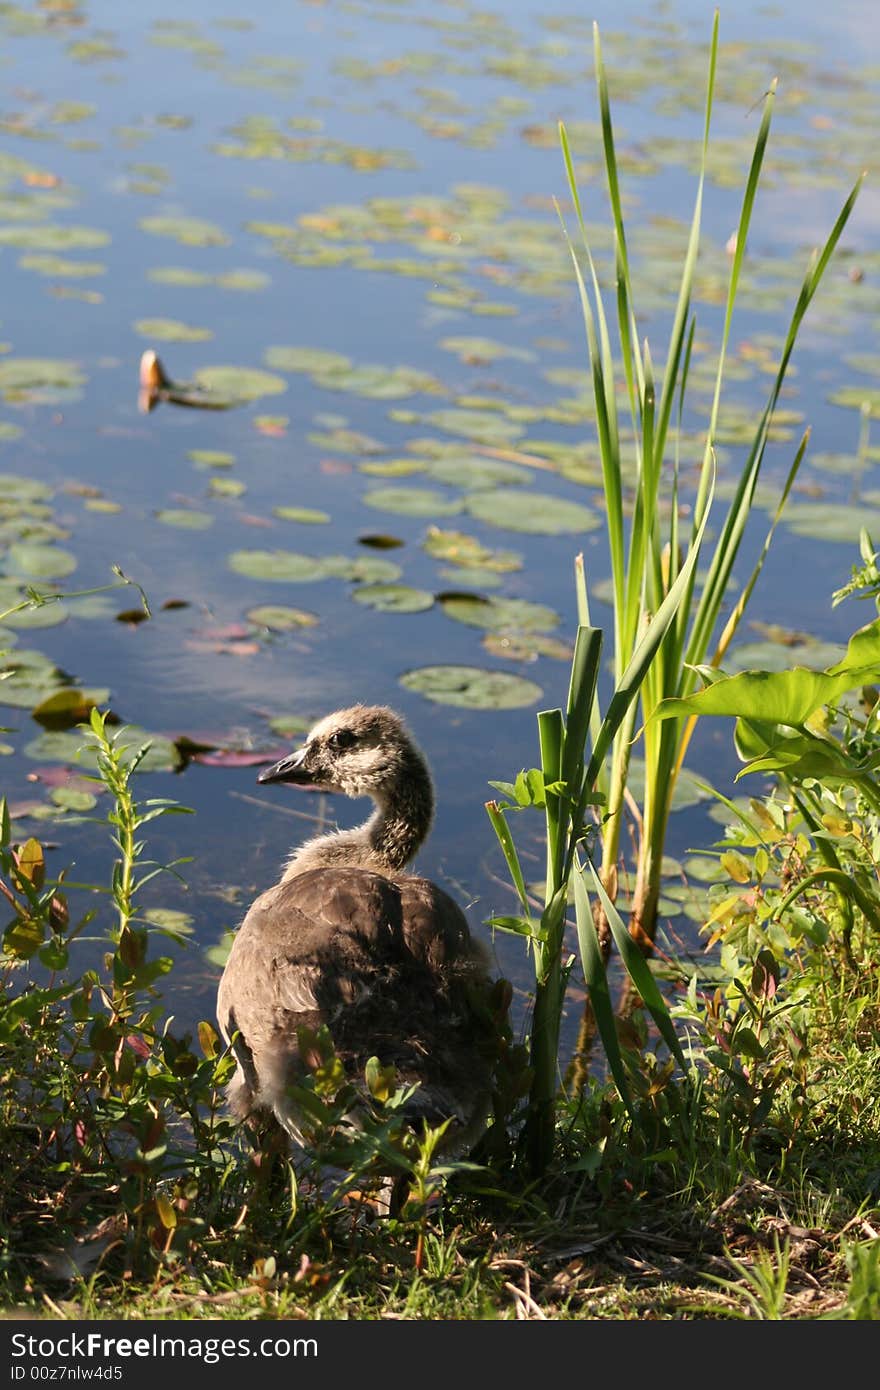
(211, 458)
(185, 520)
(825, 521)
(32, 376)
(471, 687)
(279, 566)
(40, 561)
(393, 598)
(300, 359)
(240, 383)
(171, 331)
(412, 501)
(280, 618)
(48, 237)
(539, 513)
(511, 615)
(189, 231)
(309, 516)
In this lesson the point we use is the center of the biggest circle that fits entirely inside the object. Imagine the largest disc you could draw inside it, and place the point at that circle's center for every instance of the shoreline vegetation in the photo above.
(711, 1151)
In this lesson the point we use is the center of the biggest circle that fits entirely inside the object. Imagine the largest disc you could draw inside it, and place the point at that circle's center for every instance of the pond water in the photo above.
(355, 201)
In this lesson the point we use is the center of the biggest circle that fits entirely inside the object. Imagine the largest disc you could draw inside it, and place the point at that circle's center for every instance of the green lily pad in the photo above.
(828, 521)
(185, 520)
(40, 561)
(483, 426)
(393, 598)
(61, 267)
(412, 501)
(475, 472)
(280, 618)
(210, 458)
(46, 615)
(289, 725)
(539, 513)
(457, 548)
(71, 799)
(169, 920)
(189, 231)
(171, 331)
(180, 277)
(514, 615)
(371, 569)
(48, 237)
(471, 687)
(299, 359)
(240, 383)
(309, 516)
(279, 566)
(226, 487)
(242, 280)
(32, 376)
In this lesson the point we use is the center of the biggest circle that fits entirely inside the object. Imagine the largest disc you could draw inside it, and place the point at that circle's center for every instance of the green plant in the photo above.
(645, 561)
(100, 1099)
(662, 629)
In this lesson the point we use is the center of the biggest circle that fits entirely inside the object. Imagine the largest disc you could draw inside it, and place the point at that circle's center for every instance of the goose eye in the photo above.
(343, 739)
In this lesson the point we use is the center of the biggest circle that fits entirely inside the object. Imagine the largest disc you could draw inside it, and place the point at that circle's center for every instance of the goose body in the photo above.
(349, 939)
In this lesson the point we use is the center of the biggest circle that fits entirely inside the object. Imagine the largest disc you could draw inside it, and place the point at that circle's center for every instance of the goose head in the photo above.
(365, 750)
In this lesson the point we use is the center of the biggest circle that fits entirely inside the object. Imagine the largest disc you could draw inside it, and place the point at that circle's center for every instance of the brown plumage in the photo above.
(349, 939)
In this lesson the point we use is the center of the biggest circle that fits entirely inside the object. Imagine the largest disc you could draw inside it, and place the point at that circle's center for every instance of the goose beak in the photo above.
(289, 769)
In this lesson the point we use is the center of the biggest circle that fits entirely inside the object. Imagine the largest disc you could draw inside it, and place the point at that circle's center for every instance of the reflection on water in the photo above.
(354, 203)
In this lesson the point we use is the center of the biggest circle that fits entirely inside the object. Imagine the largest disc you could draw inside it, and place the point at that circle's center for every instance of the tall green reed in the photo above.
(665, 621)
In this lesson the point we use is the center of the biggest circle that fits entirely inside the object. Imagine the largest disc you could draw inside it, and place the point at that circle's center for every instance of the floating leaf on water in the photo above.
(239, 383)
(179, 276)
(70, 799)
(483, 426)
(189, 231)
(22, 377)
(307, 515)
(482, 351)
(68, 706)
(412, 501)
(211, 458)
(242, 280)
(279, 566)
(858, 398)
(510, 615)
(475, 472)
(289, 725)
(46, 615)
(39, 561)
(370, 569)
(279, 618)
(49, 237)
(825, 521)
(393, 598)
(63, 747)
(226, 487)
(471, 687)
(61, 267)
(185, 520)
(780, 656)
(169, 920)
(300, 359)
(457, 548)
(539, 513)
(171, 331)
(526, 646)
